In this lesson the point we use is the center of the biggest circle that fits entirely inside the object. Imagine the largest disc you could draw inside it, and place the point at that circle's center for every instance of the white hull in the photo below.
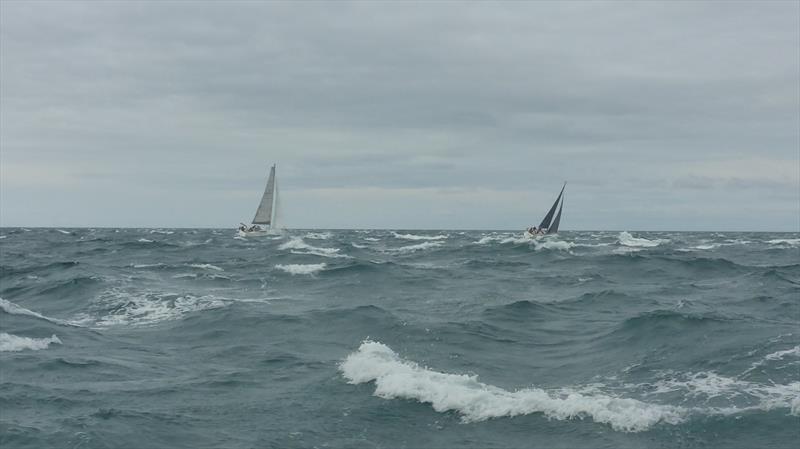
(257, 233)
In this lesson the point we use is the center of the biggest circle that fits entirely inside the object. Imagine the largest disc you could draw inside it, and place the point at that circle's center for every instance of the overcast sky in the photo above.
(661, 116)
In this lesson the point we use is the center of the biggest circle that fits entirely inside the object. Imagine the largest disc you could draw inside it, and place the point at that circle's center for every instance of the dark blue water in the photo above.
(139, 338)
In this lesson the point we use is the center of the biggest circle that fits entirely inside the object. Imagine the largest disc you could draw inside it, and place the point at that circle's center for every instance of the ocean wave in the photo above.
(784, 242)
(143, 240)
(63, 232)
(298, 246)
(205, 266)
(318, 235)
(476, 401)
(124, 308)
(708, 386)
(417, 247)
(626, 239)
(14, 309)
(14, 343)
(779, 355)
(148, 265)
(502, 239)
(559, 245)
(293, 269)
(419, 237)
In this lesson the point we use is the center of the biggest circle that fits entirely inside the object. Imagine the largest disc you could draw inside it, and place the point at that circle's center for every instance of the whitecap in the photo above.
(15, 343)
(417, 247)
(626, 239)
(553, 244)
(3, 236)
(298, 246)
(419, 237)
(63, 231)
(708, 385)
(14, 309)
(318, 235)
(293, 269)
(148, 265)
(372, 239)
(779, 355)
(206, 266)
(149, 308)
(789, 242)
(144, 241)
(476, 401)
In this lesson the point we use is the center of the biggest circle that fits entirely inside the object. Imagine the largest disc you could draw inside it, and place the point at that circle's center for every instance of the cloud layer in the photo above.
(403, 115)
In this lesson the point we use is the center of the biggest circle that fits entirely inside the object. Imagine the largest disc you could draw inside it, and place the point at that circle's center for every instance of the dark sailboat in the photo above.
(548, 224)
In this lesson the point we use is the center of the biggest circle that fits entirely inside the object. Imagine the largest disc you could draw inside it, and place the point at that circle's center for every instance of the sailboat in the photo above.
(267, 212)
(549, 225)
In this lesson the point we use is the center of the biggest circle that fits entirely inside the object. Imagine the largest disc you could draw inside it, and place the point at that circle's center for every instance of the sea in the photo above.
(203, 338)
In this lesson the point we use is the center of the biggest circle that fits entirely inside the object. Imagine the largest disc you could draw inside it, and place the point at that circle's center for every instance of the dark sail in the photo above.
(547, 218)
(554, 227)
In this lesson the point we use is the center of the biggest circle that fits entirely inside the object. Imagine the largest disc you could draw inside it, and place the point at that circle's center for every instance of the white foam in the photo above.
(161, 231)
(626, 239)
(144, 241)
(790, 242)
(63, 231)
(206, 266)
(476, 401)
(14, 309)
(149, 308)
(293, 269)
(419, 237)
(779, 355)
(503, 239)
(14, 343)
(3, 236)
(148, 265)
(372, 239)
(300, 247)
(709, 385)
(553, 244)
(417, 247)
(356, 245)
(318, 235)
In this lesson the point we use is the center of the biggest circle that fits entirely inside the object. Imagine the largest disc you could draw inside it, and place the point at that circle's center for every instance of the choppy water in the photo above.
(447, 339)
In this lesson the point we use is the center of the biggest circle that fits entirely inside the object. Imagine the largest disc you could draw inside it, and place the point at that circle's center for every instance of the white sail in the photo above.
(264, 211)
(276, 210)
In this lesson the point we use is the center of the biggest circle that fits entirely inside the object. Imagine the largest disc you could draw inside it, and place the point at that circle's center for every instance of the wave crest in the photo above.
(476, 401)
(310, 268)
(15, 343)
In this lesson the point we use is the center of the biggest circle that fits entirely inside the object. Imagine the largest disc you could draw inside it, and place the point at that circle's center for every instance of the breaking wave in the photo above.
(476, 401)
(15, 343)
(14, 309)
(417, 247)
(626, 239)
(419, 237)
(293, 269)
(298, 246)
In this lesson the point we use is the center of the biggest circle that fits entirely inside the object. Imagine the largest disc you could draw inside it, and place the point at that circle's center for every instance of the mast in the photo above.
(547, 218)
(264, 211)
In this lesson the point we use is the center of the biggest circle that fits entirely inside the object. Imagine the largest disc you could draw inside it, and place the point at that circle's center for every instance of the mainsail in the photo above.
(545, 224)
(554, 227)
(264, 211)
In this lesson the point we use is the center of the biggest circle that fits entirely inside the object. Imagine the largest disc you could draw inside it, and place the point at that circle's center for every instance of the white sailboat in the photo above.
(266, 219)
(548, 224)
